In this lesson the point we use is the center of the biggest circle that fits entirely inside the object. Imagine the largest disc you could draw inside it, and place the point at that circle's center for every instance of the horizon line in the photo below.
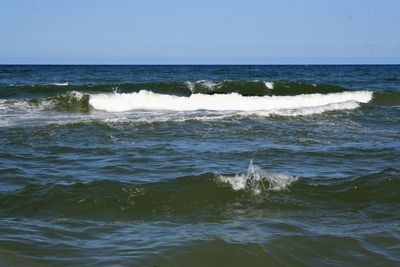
(196, 64)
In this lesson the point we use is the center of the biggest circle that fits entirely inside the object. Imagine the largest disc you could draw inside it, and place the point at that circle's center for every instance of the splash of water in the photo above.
(257, 180)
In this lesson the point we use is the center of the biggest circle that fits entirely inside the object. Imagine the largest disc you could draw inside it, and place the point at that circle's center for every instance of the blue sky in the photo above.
(199, 32)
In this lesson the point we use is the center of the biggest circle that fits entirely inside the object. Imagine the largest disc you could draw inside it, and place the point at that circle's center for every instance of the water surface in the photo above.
(199, 165)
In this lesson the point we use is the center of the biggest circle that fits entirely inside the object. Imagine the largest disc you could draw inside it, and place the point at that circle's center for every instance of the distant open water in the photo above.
(200, 165)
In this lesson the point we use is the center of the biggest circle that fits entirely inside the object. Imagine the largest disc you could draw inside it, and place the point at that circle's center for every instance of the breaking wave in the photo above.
(200, 195)
(228, 104)
(145, 100)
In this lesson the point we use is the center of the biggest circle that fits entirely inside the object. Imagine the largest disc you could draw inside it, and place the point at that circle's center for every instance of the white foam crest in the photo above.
(269, 85)
(190, 86)
(61, 84)
(208, 84)
(76, 94)
(146, 100)
(257, 180)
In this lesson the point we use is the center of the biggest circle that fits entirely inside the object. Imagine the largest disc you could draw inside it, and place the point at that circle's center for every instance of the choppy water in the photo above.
(200, 165)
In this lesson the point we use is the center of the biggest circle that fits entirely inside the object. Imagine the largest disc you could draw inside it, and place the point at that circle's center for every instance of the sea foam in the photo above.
(287, 105)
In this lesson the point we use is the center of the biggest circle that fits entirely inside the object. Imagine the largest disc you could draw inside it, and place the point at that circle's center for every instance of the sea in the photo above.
(197, 165)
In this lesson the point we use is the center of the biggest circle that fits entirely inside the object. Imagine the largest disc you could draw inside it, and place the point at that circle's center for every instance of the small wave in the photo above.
(199, 196)
(261, 88)
(243, 87)
(191, 195)
(145, 100)
(257, 180)
(24, 106)
(202, 196)
(371, 189)
(68, 102)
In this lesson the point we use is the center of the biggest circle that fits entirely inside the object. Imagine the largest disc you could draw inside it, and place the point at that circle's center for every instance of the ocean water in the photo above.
(200, 165)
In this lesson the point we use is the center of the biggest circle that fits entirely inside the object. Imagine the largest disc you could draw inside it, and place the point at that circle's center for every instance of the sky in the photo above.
(199, 31)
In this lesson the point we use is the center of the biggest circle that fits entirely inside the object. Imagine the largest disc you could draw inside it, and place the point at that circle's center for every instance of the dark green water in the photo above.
(200, 165)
